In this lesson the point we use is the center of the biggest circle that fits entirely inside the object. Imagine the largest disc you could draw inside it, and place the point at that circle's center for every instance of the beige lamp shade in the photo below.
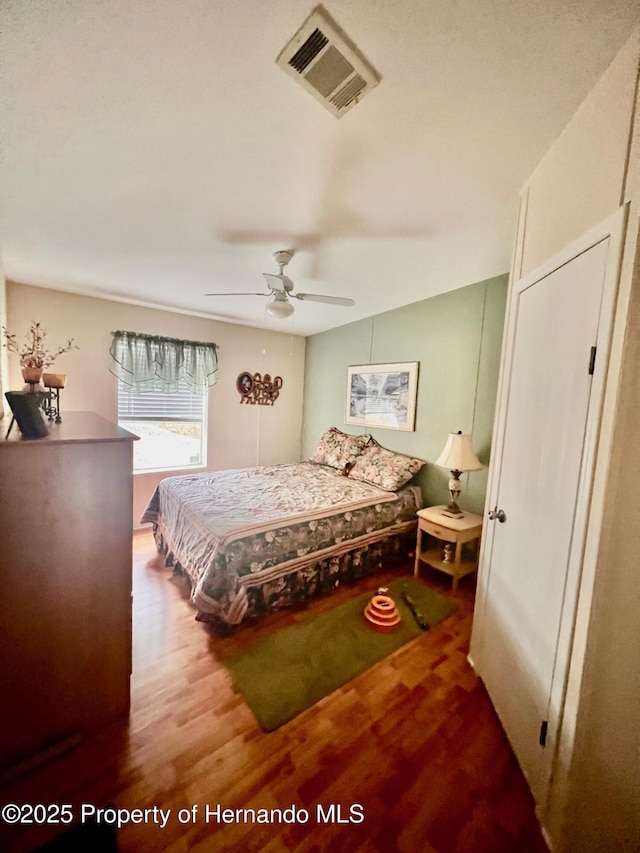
(458, 454)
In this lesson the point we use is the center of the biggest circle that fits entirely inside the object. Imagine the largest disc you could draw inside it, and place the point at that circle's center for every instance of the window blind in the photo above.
(181, 405)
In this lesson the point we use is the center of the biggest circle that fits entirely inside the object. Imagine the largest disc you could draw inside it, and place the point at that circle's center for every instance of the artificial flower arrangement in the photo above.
(33, 352)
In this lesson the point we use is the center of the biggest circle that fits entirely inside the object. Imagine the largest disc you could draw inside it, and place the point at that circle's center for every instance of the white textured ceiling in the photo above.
(153, 151)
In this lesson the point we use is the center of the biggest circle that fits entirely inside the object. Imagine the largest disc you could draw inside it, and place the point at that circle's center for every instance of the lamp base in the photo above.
(452, 510)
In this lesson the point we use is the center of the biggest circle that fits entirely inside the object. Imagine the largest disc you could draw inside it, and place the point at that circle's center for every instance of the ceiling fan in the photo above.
(281, 289)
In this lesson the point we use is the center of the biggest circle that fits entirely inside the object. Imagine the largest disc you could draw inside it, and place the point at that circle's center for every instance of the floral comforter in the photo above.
(236, 529)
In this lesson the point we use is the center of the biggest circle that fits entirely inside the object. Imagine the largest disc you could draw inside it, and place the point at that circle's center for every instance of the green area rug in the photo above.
(295, 667)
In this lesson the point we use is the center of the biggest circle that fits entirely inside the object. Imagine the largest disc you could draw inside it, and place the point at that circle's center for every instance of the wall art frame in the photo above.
(256, 388)
(382, 395)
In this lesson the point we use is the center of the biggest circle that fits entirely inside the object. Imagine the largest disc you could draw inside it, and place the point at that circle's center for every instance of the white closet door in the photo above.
(544, 459)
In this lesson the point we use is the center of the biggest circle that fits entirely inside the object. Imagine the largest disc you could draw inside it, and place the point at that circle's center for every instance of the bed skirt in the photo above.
(310, 581)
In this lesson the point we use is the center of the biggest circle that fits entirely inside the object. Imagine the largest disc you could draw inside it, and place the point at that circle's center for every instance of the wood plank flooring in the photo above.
(407, 758)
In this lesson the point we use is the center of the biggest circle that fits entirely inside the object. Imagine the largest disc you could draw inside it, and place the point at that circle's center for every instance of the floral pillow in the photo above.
(338, 449)
(383, 468)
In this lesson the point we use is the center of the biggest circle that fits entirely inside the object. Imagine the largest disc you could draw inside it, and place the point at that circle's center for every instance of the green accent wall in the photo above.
(457, 339)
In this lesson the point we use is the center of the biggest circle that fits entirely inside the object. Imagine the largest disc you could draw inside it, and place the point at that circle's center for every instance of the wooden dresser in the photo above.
(65, 585)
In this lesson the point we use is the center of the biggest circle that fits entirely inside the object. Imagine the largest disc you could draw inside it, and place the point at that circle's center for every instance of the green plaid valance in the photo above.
(156, 363)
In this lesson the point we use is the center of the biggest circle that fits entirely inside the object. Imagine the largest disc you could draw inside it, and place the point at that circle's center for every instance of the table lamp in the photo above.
(458, 456)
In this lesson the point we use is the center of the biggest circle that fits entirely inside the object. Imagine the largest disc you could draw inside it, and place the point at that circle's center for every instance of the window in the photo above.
(162, 392)
(172, 427)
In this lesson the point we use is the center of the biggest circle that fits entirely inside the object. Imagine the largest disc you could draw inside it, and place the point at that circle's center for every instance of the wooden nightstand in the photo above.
(459, 530)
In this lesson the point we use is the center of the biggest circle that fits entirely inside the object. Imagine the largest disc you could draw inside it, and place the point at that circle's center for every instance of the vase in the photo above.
(32, 375)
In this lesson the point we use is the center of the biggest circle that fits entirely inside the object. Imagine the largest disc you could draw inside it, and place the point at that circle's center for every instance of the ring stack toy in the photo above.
(382, 614)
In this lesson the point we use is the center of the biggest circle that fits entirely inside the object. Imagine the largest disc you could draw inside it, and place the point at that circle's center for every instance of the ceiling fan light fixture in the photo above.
(280, 307)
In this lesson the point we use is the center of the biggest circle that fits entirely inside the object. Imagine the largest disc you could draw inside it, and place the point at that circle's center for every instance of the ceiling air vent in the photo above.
(325, 61)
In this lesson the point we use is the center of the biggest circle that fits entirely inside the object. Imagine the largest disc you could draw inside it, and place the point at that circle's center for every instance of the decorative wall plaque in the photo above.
(256, 388)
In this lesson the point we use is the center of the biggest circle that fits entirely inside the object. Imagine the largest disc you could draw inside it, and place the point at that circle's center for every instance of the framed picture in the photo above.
(382, 395)
(244, 384)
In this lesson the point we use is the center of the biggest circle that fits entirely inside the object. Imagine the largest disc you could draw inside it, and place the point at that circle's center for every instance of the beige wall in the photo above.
(591, 170)
(238, 435)
(4, 359)
(581, 179)
(603, 781)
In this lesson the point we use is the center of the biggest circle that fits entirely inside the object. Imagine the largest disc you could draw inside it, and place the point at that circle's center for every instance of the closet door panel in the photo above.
(542, 469)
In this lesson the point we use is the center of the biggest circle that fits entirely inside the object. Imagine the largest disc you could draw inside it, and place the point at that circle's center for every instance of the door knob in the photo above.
(497, 513)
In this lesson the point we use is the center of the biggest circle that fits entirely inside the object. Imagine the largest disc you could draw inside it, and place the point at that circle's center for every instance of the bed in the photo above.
(257, 539)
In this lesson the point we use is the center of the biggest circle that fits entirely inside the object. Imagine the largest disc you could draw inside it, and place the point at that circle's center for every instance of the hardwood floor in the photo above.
(411, 750)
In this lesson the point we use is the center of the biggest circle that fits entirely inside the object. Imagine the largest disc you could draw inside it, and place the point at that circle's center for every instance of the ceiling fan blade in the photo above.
(317, 297)
(278, 281)
(237, 294)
